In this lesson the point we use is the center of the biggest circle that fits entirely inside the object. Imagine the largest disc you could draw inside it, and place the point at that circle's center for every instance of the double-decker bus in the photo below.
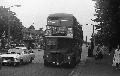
(63, 40)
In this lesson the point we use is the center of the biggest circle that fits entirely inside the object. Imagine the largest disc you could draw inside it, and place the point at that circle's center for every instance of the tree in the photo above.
(32, 27)
(107, 12)
(9, 19)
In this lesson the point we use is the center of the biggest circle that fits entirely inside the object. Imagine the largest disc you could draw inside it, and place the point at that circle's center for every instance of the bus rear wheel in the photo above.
(45, 63)
(73, 63)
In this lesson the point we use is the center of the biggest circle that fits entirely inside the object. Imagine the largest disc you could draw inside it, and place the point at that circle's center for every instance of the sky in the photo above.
(37, 11)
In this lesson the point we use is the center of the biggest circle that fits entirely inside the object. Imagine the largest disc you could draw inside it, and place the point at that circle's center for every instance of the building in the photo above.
(32, 36)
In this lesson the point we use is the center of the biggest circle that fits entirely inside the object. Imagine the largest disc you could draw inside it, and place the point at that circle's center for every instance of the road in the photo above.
(91, 67)
(84, 55)
(36, 68)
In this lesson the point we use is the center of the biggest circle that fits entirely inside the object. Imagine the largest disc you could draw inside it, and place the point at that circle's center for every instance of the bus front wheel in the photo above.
(45, 63)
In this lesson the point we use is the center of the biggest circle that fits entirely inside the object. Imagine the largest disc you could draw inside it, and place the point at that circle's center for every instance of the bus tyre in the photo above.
(0, 66)
(21, 62)
(72, 64)
(15, 64)
(31, 60)
(45, 63)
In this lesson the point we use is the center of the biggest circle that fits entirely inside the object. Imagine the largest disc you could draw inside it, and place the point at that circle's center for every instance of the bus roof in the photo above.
(60, 15)
(59, 36)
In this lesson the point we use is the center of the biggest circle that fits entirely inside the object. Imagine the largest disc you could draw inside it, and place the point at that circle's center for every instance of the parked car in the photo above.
(21, 46)
(17, 56)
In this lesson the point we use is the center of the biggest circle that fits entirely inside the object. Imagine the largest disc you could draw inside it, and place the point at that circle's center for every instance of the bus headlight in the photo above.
(68, 57)
(47, 56)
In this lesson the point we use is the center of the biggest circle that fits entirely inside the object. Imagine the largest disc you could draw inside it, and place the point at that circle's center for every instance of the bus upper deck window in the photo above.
(54, 18)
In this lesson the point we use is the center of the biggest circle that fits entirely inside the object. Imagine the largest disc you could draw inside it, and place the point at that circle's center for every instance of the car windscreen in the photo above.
(15, 50)
(20, 45)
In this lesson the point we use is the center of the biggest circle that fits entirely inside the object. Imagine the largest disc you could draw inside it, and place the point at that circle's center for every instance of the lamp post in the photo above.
(93, 35)
(90, 51)
(9, 23)
(86, 41)
(93, 40)
(93, 32)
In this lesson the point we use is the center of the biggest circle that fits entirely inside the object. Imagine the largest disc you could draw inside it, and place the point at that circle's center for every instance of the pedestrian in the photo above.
(116, 58)
(110, 50)
(90, 52)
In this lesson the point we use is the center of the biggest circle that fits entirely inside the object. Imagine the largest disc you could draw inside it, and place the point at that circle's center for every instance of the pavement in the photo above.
(90, 67)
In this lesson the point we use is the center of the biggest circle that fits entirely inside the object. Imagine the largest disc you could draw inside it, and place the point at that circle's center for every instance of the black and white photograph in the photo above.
(59, 37)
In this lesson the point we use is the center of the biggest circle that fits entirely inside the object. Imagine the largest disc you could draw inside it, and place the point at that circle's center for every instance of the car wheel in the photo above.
(21, 61)
(31, 60)
(0, 66)
(14, 64)
(45, 63)
(73, 63)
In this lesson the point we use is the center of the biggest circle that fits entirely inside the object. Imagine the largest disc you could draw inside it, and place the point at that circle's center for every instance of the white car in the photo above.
(24, 48)
(17, 56)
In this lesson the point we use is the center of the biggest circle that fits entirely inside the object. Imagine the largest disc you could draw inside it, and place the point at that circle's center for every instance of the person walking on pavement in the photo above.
(90, 51)
(116, 58)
